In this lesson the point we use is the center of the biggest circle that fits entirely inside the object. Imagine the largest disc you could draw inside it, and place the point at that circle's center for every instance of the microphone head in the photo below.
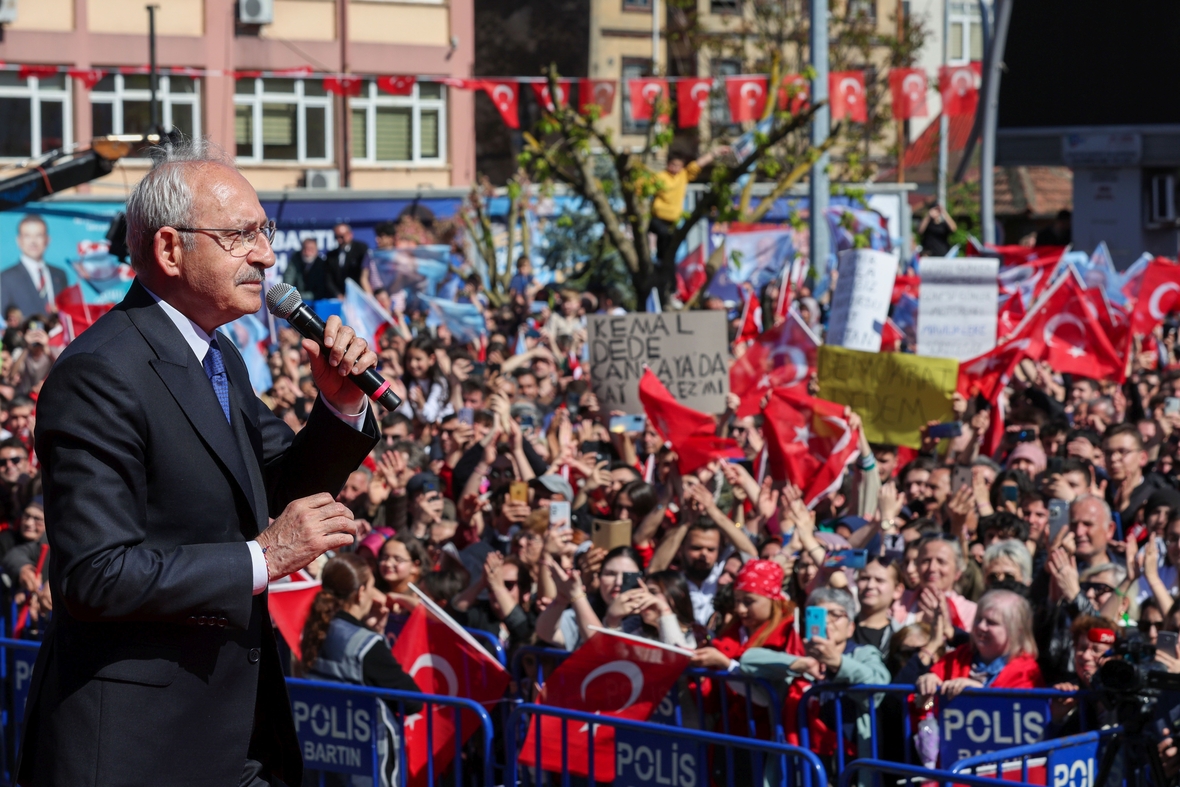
(282, 300)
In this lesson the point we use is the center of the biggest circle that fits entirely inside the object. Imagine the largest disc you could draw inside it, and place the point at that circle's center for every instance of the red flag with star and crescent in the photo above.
(907, 87)
(693, 434)
(598, 93)
(809, 442)
(987, 374)
(692, 97)
(781, 357)
(611, 674)
(1159, 293)
(747, 97)
(443, 659)
(506, 97)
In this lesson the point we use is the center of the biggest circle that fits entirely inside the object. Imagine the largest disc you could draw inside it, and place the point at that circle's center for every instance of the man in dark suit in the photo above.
(161, 469)
(344, 262)
(31, 284)
(306, 272)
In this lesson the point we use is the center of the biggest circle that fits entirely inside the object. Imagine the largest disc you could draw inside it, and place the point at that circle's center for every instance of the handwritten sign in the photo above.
(860, 302)
(957, 308)
(688, 351)
(895, 394)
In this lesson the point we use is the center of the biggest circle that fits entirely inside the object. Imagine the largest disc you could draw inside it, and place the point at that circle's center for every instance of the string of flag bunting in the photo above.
(747, 94)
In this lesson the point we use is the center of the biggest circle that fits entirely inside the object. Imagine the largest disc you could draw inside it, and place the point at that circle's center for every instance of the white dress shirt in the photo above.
(199, 341)
(37, 270)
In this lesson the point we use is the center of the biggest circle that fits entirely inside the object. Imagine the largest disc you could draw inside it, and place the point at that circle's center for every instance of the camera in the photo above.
(1133, 670)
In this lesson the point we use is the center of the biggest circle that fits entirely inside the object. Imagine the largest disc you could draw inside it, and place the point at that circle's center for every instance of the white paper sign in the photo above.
(860, 303)
(957, 306)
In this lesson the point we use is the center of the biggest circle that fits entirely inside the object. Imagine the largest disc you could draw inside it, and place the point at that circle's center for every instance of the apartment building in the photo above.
(256, 88)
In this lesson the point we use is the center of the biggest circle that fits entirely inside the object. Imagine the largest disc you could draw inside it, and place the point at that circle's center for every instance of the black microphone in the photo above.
(283, 300)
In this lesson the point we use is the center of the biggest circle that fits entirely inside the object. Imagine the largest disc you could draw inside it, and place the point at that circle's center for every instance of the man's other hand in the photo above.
(307, 528)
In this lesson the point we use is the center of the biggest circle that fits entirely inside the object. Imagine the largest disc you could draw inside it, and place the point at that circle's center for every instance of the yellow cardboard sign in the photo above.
(895, 394)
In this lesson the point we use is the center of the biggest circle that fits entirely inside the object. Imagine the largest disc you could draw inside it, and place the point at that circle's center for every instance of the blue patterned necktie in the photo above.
(215, 368)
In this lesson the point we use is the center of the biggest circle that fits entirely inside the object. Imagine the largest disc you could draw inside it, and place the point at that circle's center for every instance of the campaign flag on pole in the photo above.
(957, 86)
(248, 333)
(691, 433)
(1029, 278)
(691, 274)
(443, 659)
(692, 98)
(614, 675)
(751, 317)
(907, 87)
(794, 95)
(506, 97)
(363, 313)
(289, 604)
(809, 442)
(1158, 293)
(1010, 314)
(747, 97)
(647, 93)
(1132, 278)
(419, 269)
(541, 91)
(781, 357)
(757, 256)
(987, 374)
(846, 91)
(464, 320)
(596, 92)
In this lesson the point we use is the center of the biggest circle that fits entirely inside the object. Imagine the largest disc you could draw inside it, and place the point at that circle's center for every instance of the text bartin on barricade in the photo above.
(336, 729)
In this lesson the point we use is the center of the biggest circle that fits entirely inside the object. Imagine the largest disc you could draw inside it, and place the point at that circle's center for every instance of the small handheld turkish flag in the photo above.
(691, 433)
(444, 659)
(596, 92)
(612, 674)
(907, 87)
(809, 442)
(692, 96)
(747, 97)
(779, 358)
(506, 97)
(1159, 293)
(846, 92)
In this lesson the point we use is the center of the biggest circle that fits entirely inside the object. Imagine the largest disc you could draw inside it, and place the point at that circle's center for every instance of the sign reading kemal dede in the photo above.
(688, 351)
(957, 308)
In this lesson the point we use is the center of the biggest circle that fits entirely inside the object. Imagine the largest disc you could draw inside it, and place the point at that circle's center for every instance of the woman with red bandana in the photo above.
(763, 618)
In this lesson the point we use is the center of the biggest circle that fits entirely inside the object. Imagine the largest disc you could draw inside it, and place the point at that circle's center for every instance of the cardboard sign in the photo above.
(895, 394)
(974, 724)
(860, 302)
(336, 730)
(957, 308)
(688, 351)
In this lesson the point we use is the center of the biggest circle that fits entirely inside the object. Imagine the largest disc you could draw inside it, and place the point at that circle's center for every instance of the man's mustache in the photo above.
(250, 276)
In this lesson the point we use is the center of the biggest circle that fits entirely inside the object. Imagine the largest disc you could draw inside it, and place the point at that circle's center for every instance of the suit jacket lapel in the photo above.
(186, 380)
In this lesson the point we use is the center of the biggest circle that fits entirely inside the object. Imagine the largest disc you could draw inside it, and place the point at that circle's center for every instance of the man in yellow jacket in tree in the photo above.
(666, 207)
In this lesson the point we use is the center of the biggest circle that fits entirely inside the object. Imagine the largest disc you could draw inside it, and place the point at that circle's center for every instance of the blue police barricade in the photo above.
(1062, 762)
(492, 643)
(642, 755)
(915, 774)
(530, 663)
(16, 668)
(756, 697)
(339, 728)
(976, 722)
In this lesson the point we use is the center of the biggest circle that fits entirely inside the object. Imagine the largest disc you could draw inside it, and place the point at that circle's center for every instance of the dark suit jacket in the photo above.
(16, 287)
(335, 273)
(161, 666)
(308, 279)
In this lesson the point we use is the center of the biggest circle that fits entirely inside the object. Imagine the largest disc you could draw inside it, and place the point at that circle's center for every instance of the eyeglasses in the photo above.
(510, 584)
(1099, 588)
(11, 460)
(1147, 625)
(241, 242)
(1001, 576)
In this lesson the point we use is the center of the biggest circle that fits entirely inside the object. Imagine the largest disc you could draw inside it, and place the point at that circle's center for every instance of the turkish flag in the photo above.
(891, 336)
(89, 77)
(72, 303)
(1159, 293)
(344, 85)
(693, 435)
(397, 85)
(41, 72)
(596, 92)
(751, 318)
(809, 442)
(747, 97)
(959, 93)
(692, 97)
(987, 374)
(779, 358)
(1009, 316)
(541, 91)
(506, 97)
(1030, 278)
(908, 89)
(846, 93)
(794, 95)
(1115, 322)
(297, 71)
(443, 659)
(1063, 332)
(614, 675)
(289, 604)
(646, 93)
(691, 274)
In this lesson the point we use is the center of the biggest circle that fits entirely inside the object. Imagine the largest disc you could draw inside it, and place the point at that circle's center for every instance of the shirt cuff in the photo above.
(258, 563)
(357, 421)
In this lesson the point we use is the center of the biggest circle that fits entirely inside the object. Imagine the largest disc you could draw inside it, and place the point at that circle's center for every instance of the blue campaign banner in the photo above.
(335, 730)
(973, 724)
(1072, 766)
(643, 759)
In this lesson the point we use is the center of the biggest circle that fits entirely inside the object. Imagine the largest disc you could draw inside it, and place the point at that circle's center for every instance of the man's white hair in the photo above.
(164, 198)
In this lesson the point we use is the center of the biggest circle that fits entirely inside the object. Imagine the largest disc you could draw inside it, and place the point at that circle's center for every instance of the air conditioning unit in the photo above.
(1163, 199)
(321, 178)
(256, 12)
(7, 12)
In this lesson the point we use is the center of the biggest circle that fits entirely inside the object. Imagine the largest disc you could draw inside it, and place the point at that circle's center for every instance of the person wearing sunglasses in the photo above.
(15, 483)
(501, 611)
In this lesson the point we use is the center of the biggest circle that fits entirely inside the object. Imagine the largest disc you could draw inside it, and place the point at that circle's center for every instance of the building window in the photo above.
(633, 68)
(719, 116)
(282, 120)
(405, 129)
(966, 41)
(637, 5)
(862, 9)
(35, 115)
(122, 104)
(725, 6)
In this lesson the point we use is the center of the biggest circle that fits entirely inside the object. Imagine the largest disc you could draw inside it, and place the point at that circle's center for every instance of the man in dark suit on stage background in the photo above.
(161, 469)
(31, 284)
(344, 262)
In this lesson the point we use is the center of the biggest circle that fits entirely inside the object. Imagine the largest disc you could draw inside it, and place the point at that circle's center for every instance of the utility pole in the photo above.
(655, 38)
(821, 124)
(991, 110)
(154, 77)
(901, 136)
(943, 121)
(345, 144)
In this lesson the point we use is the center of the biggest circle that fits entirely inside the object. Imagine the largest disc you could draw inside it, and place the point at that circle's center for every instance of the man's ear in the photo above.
(168, 251)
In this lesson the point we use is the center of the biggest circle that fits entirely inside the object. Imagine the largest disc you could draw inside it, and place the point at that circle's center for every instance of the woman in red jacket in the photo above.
(1002, 653)
(763, 618)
